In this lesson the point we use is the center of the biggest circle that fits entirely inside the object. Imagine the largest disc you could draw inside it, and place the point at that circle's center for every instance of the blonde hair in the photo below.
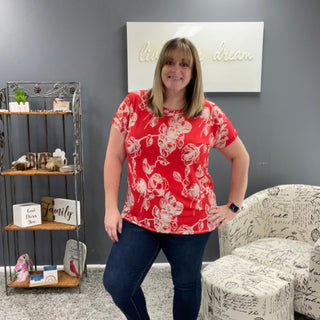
(194, 90)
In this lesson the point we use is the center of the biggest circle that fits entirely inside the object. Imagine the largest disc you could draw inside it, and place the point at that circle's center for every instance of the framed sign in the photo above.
(230, 52)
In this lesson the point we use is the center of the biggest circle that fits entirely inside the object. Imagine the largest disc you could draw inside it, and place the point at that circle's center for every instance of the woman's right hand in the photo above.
(113, 224)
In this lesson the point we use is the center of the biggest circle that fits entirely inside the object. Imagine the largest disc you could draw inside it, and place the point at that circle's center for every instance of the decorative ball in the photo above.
(37, 88)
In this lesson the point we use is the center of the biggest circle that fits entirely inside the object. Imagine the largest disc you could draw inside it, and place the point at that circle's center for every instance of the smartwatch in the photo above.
(233, 207)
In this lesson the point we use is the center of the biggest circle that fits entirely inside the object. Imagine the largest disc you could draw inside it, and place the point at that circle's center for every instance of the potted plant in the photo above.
(20, 104)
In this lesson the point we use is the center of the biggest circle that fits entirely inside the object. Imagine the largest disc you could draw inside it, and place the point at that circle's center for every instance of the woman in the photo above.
(166, 134)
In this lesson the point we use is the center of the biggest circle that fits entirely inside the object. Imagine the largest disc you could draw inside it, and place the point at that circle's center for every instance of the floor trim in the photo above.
(94, 266)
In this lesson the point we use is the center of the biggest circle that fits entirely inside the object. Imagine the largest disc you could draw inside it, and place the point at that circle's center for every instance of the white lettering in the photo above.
(148, 53)
(223, 54)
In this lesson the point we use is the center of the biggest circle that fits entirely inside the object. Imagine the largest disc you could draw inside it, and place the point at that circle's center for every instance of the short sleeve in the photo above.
(122, 117)
(223, 131)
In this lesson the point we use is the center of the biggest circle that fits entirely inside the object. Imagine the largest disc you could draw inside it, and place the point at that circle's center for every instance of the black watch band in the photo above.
(233, 207)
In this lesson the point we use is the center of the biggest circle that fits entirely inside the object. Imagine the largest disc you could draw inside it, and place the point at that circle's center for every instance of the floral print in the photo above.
(169, 187)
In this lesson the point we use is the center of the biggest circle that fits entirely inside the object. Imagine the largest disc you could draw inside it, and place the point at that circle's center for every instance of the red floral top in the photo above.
(169, 187)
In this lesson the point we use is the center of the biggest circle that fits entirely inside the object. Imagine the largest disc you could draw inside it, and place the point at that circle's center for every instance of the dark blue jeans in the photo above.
(131, 258)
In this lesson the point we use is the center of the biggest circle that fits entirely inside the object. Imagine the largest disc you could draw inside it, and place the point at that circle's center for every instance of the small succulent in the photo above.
(20, 96)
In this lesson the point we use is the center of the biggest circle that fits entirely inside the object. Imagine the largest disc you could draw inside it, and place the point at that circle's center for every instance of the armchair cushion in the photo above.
(287, 255)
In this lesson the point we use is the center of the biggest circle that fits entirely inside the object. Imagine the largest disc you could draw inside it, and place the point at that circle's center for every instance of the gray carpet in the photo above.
(93, 302)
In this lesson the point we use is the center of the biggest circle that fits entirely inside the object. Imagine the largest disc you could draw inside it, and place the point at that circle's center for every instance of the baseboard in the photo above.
(93, 266)
(102, 266)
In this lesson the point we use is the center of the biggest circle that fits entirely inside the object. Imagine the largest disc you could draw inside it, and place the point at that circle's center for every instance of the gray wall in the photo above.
(86, 41)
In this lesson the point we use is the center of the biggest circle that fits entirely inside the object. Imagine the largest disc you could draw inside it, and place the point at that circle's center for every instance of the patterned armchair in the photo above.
(280, 228)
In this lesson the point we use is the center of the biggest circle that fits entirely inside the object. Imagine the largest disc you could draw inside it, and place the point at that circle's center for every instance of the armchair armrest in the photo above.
(248, 225)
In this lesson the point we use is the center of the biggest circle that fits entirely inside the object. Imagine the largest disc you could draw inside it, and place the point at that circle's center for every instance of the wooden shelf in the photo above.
(65, 281)
(48, 112)
(35, 172)
(45, 225)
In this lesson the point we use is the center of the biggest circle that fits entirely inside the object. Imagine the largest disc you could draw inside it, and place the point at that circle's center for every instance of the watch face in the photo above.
(234, 207)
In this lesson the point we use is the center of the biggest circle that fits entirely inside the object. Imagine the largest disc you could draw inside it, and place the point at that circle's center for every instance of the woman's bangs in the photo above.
(168, 55)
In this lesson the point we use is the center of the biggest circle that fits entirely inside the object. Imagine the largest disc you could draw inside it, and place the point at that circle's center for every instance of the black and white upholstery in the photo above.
(280, 228)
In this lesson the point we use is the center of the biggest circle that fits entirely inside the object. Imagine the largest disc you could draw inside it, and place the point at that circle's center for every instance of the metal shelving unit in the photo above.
(35, 131)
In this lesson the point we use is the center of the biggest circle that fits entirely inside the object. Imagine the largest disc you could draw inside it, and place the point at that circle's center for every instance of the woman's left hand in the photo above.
(221, 215)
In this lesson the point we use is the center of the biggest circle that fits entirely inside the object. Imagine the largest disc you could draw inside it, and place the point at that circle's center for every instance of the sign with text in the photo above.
(230, 52)
(64, 210)
(26, 214)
